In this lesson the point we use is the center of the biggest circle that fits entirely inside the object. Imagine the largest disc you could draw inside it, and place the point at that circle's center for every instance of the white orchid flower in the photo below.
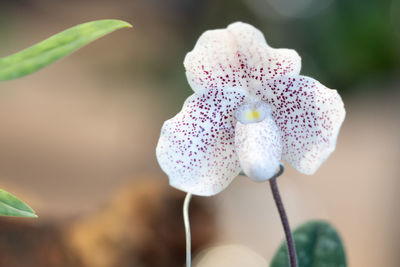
(250, 109)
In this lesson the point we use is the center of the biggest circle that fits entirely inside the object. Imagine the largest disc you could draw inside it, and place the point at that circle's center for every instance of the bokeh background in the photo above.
(77, 139)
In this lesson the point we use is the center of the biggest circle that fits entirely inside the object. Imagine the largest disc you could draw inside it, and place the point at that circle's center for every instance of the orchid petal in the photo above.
(196, 147)
(237, 56)
(259, 149)
(309, 116)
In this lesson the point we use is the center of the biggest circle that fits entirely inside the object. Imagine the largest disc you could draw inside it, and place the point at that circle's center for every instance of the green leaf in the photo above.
(317, 245)
(52, 49)
(12, 206)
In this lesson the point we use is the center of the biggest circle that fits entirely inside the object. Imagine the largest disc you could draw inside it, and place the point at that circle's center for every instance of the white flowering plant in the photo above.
(250, 109)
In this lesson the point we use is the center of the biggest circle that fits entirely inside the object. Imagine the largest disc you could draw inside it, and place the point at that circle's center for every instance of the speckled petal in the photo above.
(259, 149)
(196, 147)
(237, 56)
(309, 116)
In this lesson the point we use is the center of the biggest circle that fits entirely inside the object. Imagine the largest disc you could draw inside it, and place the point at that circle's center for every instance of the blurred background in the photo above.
(77, 139)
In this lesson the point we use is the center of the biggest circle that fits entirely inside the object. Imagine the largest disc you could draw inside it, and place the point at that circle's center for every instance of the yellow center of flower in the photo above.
(253, 112)
(252, 115)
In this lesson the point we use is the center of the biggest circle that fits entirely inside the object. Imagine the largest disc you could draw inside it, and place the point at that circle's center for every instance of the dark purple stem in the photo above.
(284, 219)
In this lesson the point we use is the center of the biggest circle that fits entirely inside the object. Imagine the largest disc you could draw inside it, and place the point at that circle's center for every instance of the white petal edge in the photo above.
(237, 56)
(259, 148)
(196, 147)
(309, 116)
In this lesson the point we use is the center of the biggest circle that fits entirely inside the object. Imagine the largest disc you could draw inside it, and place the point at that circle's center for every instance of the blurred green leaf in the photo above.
(317, 245)
(59, 45)
(12, 206)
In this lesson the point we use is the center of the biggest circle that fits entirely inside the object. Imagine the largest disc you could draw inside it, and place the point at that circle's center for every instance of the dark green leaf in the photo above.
(12, 206)
(317, 245)
(60, 45)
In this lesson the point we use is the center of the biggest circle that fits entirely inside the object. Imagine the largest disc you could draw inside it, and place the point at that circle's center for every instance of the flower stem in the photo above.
(284, 218)
(187, 229)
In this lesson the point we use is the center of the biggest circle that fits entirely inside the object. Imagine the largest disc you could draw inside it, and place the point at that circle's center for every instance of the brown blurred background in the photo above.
(77, 139)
